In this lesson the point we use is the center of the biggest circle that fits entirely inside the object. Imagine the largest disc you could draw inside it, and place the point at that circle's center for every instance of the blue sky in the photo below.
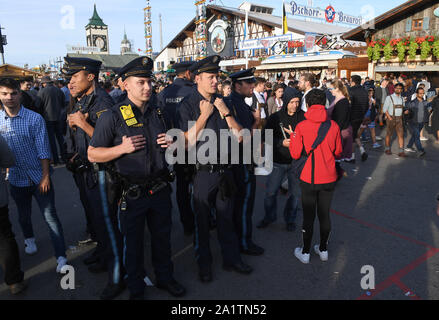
(35, 33)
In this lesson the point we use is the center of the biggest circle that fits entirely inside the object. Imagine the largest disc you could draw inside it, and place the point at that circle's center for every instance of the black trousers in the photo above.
(108, 236)
(184, 196)
(9, 256)
(316, 199)
(244, 204)
(80, 184)
(207, 196)
(156, 210)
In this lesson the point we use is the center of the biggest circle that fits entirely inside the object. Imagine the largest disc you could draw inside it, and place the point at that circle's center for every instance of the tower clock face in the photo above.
(100, 42)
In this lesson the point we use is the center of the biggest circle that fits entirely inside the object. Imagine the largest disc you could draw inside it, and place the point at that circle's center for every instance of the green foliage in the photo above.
(425, 50)
(401, 49)
(388, 51)
(413, 47)
(370, 53)
(435, 48)
(376, 53)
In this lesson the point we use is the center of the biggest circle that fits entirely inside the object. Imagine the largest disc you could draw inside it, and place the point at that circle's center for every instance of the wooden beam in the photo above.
(189, 34)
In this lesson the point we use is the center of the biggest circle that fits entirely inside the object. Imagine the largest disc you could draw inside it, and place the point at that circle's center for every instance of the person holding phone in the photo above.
(283, 123)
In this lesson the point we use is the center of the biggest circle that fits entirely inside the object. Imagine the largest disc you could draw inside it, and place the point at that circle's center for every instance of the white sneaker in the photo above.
(303, 257)
(409, 150)
(30, 246)
(323, 254)
(376, 145)
(423, 139)
(378, 138)
(62, 261)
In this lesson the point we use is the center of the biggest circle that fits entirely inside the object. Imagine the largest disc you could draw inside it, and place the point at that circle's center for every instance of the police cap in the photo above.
(139, 67)
(74, 65)
(244, 75)
(208, 65)
(182, 66)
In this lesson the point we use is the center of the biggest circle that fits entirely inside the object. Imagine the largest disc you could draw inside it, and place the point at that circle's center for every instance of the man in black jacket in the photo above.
(359, 107)
(287, 118)
(52, 104)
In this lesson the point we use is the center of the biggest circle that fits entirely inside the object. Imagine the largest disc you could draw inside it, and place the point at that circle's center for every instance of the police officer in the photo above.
(243, 83)
(131, 136)
(213, 182)
(118, 94)
(170, 99)
(91, 102)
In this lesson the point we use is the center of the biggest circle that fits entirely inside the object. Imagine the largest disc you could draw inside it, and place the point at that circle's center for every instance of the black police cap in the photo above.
(182, 66)
(74, 65)
(116, 73)
(139, 67)
(208, 65)
(244, 75)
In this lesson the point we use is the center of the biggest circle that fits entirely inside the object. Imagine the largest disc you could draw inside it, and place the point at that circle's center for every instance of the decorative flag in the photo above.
(284, 19)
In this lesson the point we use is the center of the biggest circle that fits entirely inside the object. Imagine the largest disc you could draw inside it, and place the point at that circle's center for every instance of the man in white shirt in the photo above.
(306, 84)
(393, 109)
(258, 99)
(426, 83)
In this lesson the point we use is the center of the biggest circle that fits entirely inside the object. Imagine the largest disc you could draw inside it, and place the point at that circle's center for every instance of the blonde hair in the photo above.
(338, 84)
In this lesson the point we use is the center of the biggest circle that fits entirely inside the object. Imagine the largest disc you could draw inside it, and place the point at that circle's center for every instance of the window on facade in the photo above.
(417, 24)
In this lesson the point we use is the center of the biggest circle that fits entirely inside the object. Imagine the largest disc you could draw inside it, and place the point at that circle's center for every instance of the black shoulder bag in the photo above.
(299, 164)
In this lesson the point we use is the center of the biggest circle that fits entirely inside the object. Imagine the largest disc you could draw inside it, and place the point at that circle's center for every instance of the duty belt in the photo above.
(151, 187)
(211, 168)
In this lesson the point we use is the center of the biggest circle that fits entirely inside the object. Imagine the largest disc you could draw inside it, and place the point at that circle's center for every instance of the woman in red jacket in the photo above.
(317, 188)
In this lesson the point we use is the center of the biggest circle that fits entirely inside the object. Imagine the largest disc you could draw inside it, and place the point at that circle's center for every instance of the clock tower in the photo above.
(97, 33)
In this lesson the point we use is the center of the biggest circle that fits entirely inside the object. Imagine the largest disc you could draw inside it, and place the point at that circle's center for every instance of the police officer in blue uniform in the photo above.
(170, 99)
(243, 83)
(91, 102)
(132, 137)
(214, 185)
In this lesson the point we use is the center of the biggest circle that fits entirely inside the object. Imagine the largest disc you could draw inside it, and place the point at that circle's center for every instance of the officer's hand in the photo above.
(77, 119)
(163, 140)
(132, 144)
(286, 143)
(221, 106)
(206, 108)
(406, 112)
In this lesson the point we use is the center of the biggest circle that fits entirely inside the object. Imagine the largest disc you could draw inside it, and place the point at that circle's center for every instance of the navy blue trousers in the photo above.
(156, 211)
(207, 196)
(244, 204)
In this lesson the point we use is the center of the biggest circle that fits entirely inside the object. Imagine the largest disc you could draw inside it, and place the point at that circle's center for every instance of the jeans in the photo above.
(46, 202)
(55, 130)
(416, 128)
(274, 183)
(9, 256)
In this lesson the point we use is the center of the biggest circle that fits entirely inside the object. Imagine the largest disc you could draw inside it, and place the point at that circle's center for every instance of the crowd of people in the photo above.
(112, 137)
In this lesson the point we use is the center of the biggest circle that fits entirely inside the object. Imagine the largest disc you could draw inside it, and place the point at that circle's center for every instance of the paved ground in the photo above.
(383, 216)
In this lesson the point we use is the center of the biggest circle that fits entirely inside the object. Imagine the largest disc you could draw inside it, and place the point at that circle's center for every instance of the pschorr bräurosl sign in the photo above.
(329, 14)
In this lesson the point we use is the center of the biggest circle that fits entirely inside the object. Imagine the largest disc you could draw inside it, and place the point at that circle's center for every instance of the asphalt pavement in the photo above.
(383, 216)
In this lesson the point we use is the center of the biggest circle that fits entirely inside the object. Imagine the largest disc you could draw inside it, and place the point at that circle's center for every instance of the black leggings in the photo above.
(317, 198)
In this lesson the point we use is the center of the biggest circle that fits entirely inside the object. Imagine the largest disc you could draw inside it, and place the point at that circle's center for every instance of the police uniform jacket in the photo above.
(190, 111)
(171, 98)
(125, 119)
(95, 105)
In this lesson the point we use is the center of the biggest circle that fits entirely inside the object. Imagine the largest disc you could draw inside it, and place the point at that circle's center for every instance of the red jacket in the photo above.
(325, 153)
